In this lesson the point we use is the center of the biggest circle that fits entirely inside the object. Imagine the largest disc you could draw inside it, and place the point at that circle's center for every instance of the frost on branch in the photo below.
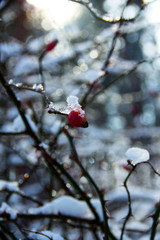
(5, 208)
(137, 155)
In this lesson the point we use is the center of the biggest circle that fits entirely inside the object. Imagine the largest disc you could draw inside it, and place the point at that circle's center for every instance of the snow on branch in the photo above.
(69, 206)
(9, 186)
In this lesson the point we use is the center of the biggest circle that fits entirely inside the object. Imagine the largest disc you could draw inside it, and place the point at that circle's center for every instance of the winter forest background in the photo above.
(62, 182)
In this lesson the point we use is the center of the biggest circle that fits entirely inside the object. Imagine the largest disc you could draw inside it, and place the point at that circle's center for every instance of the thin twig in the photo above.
(129, 202)
(76, 158)
(3, 236)
(155, 223)
(53, 217)
(156, 215)
(50, 161)
(24, 196)
(116, 35)
(6, 5)
(7, 231)
(111, 82)
(43, 84)
(13, 133)
(40, 233)
(19, 108)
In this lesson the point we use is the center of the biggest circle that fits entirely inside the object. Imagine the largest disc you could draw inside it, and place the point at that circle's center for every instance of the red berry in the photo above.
(77, 119)
(153, 93)
(135, 110)
(50, 46)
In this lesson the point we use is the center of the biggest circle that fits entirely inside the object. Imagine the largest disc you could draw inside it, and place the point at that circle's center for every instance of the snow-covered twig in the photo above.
(104, 18)
(143, 158)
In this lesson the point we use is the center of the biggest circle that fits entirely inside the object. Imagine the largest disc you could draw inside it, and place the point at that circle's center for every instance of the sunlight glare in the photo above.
(60, 12)
(152, 13)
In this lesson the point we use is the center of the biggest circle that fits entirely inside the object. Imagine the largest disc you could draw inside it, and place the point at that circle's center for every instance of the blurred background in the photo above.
(126, 114)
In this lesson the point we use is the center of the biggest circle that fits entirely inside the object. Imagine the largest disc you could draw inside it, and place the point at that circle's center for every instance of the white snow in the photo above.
(26, 65)
(18, 124)
(9, 186)
(137, 155)
(11, 48)
(82, 47)
(35, 45)
(56, 126)
(72, 102)
(91, 75)
(69, 206)
(44, 235)
(5, 208)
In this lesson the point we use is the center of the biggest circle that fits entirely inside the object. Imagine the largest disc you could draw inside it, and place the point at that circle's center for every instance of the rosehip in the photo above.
(135, 110)
(153, 93)
(77, 119)
(51, 45)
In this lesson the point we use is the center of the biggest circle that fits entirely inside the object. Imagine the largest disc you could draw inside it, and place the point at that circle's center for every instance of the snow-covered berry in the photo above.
(77, 119)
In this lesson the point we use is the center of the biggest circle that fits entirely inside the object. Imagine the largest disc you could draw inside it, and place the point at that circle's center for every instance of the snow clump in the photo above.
(5, 208)
(9, 186)
(69, 206)
(73, 104)
(137, 155)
